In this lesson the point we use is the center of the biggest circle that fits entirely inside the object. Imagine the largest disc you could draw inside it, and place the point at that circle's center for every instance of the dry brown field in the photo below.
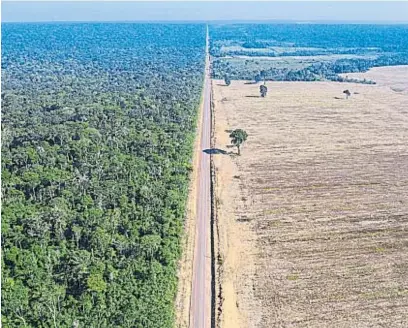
(394, 77)
(313, 216)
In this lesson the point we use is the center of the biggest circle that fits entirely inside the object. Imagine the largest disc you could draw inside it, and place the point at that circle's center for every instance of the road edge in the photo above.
(186, 262)
(216, 258)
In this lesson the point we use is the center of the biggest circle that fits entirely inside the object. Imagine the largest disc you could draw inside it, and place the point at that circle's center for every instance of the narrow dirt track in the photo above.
(200, 315)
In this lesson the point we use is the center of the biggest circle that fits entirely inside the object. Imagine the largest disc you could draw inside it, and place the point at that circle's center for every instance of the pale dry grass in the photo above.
(234, 242)
(394, 77)
(322, 195)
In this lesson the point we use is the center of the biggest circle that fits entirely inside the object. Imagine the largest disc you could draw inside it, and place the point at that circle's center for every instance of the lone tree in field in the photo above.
(263, 90)
(227, 80)
(238, 137)
(347, 93)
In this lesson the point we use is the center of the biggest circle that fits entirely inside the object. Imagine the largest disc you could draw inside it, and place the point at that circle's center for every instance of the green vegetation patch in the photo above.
(97, 136)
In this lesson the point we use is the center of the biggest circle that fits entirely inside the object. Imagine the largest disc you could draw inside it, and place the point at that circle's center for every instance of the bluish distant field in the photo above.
(243, 51)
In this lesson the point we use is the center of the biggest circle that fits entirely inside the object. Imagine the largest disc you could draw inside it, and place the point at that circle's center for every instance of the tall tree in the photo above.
(238, 137)
(263, 90)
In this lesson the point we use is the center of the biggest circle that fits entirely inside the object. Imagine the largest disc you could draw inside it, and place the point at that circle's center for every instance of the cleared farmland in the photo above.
(313, 216)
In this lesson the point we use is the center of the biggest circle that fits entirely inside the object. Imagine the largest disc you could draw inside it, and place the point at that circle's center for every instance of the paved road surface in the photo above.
(200, 315)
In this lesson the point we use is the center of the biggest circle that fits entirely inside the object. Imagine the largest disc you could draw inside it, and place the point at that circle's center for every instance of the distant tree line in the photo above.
(380, 45)
(344, 38)
(315, 72)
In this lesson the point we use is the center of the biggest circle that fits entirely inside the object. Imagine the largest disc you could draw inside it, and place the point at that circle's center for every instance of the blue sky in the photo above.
(365, 11)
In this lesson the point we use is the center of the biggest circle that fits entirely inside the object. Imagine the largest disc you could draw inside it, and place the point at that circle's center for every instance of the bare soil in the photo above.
(313, 216)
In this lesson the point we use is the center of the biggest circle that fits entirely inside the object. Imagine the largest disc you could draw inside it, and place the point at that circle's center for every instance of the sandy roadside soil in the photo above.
(313, 216)
(236, 262)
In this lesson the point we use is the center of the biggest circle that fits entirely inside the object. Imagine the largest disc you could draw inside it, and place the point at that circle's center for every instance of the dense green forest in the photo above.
(98, 123)
(305, 52)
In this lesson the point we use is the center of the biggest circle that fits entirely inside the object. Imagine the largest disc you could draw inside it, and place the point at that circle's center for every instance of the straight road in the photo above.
(200, 315)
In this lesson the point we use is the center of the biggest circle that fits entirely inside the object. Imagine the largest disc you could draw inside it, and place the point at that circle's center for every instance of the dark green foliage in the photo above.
(238, 137)
(347, 93)
(263, 89)
(97, 134)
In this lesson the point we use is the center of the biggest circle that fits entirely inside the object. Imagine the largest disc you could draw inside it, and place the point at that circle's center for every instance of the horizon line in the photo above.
(225, 21)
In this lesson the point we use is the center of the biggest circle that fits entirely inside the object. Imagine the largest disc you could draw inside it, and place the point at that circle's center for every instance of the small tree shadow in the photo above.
(251, 82)
(339, 98)
(244, 219)
(395, 89)
(222, 84)
(253, 96)
(215, 151)
(228, 131)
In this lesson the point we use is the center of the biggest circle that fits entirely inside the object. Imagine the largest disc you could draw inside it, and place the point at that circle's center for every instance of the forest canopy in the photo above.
(98, 123)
